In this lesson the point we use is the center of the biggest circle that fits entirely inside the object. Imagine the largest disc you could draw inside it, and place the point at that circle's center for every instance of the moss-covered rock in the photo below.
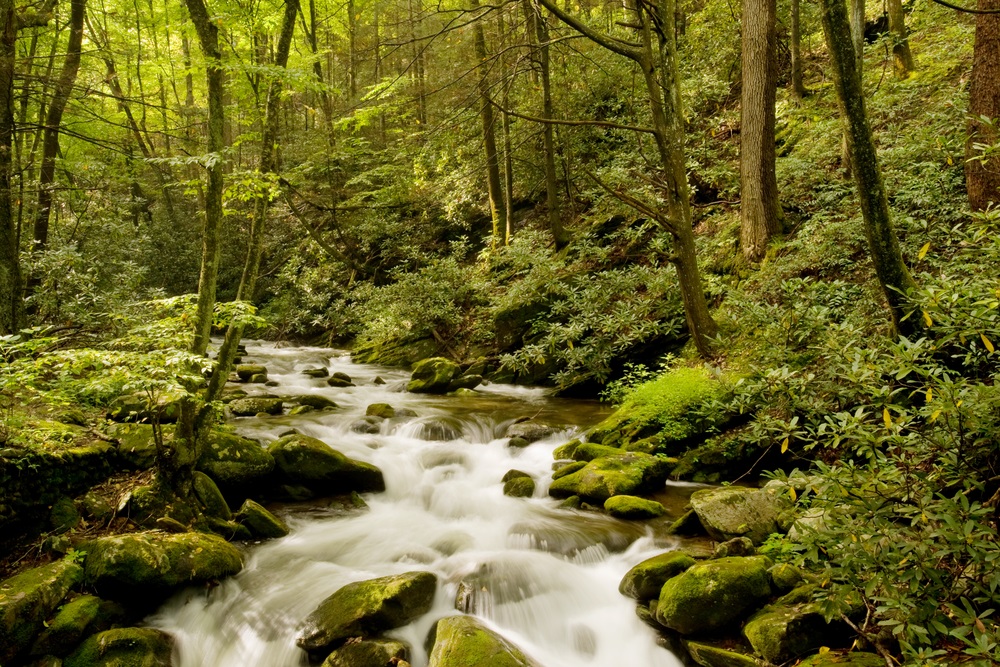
(155, 562)
(136, 445)
(368, 653)
(260, 522)
(714, 656)
(210, 497)
(433, 376)
(712, 595)
(566, 451)
(83, 616)
(28, 599)
(137, 408)
(465, 383)
(519, 487)
(644, 581)
(398, 352)
(589, 451)
(248, 407)
(530, 430)
(785, 577)
(629, 473)
(633, 508)
(463, 641)
(124, 647)
(568, 469)
(368, 425)
(246, 371)
(316, 372)
(383, 410)
(64, 515)
(314, 401)
(844, 659)
(234, 462)
(736, 511)
(368, 608)
(781, 632)
(304, 461)
(738, 546)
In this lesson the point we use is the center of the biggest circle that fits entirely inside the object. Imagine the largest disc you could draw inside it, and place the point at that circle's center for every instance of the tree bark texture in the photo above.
(498, 211)
(559, 235)
(795, 46)
(11, 283)
(760, 211)
(893, 276)
(53, 121)
(983, 178)
(902, 57)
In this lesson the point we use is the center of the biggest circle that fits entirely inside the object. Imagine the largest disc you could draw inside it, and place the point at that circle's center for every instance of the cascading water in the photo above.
(545, 578)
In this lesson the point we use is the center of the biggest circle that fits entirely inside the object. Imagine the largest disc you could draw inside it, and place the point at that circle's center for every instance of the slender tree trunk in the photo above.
(982, 178)
(857, 26)
(795, 46)
(902, 57)
(352, 51)
(11, 283)
(892, 273)
(498, 211)
(53, 122)
(760, 211)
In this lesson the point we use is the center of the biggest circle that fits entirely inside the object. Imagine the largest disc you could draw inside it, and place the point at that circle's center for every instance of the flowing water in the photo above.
(545, 578)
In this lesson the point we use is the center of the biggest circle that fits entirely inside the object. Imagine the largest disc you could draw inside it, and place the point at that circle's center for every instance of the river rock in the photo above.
(568, 468)
(83, 616)
(588, 451)
(463, 641)
(29, 598)
(368, 653)
(713, 595)
(633, 508)
(248, 407)
(304, 461)
(340, 379)
(644, 581)
(155, 562)
(383, 410)
(433, 376)
(316, 372)
(314, 401)
(738, 546)
(136, 445)
(519, 487)
(628, 473)
(780, 632)
(737, 511)
(530, 430)
(714, 656)
(212, 500)
(260, 522)
(124, 647)
(367, 425)
(245, 372)
(235, 462)
(465, 383)
(368, 608)
(438, 429)
(844, 659)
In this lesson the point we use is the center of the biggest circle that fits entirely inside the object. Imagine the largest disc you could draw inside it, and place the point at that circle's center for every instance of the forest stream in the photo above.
(545, 578)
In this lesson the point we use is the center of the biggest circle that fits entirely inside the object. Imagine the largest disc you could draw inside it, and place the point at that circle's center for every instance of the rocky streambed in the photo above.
(474, 528)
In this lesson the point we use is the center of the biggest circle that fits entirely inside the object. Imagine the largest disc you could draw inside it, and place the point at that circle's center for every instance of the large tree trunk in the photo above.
(53, 121)
(11, 283)
(795, 46)
(760, 211)
(983, 177)
(883, 245)
(902, 57)
(498, 210)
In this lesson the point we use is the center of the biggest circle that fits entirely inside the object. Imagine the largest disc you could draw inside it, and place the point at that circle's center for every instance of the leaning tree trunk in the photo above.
(760, 211)
(883, 245)
(902, 57)
(53, 121)
(498, 210)
(11, 282)
(982, 177)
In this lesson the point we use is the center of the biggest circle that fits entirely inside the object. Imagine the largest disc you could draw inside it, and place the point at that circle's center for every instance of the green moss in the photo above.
(589, 451)
(85, 615)
(844, 659)
(519, 487)
(627, 473)
(260, 522)
(566, 451)
(210, 497)
(383, 410)
(562, 471)
(713, 595)
(779, 633)
(368, 653)
(27, 599)
(714, 656)
(123, 647)
(644, 581)
(631, 507)
(433, 376)
(462, 641)
(233, 461)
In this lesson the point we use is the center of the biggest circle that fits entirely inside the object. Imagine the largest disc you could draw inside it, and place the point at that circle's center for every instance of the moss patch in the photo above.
(27, 599)
(462, 641)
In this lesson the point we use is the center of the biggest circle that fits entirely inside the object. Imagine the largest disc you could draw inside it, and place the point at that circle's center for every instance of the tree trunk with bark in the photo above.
(498, 210)
(902, 57)
(11, 282)
(982, 177)
(760, 211)
(795, 47)
(883, 245)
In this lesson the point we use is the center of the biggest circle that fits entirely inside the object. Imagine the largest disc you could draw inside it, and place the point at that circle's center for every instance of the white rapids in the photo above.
(553, 574)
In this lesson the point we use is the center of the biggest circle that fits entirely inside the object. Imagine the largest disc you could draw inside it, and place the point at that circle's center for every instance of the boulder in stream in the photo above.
(75, 620)
(29, 598)
(314, 401)
(463, 641)
(248, 407)
(633, 508)
(627, 473)
(260, 522)
(155, 562)
(340, 379)
(308, 462)
(316, 372)
(715, 656)
(367, 609)
(644, 581)
(124, 647)
(714, 594)
(738, 511)
(530, 430)
(235, 462)
(433, 376)
(245, 372)
(383, 410)
(368, 653)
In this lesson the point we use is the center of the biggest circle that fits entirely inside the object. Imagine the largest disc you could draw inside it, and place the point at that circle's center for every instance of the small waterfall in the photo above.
(545, 578)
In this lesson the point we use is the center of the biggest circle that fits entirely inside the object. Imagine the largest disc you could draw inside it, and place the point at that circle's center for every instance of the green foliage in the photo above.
(675, 403)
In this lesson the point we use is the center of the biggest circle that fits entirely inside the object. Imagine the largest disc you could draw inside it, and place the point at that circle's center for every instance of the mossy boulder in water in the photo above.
(124, 647)
(29, 598)
(737, 511)
(781, 632)
(433, 376)
(588, 451)
(713, 595)
(248, 407)
(308, 462)
(633, 508)
(714, 656)
(628, 473)
(155, 562)
(368, 653)
(211, 499)
(383, 410)
(83, 616)
(260, 522)
(519, 487)
(368, 608)
(530, 430)
(463, 641)
(314, 401)
(245, 372)
(235, 462)
(644, 581)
